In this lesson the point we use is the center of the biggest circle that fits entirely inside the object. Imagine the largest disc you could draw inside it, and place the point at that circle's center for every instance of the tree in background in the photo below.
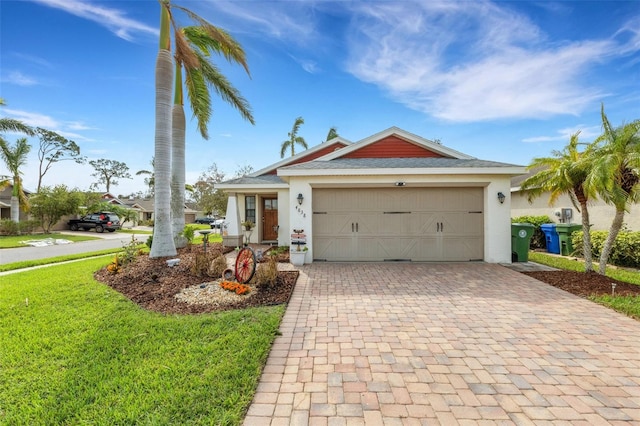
(149, 180)
(14, 158)
(333, 133)
(616, 174)
(49, 205)
(293, 139)
(565, 173)
(209, 199)
(53, 149)
(108, 171)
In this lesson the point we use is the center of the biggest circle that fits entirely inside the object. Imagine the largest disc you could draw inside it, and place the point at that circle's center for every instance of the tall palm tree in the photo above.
(15, 157)
(194, 47)
(163, 244)
(293, 139)
(565, 173)
(616, 174)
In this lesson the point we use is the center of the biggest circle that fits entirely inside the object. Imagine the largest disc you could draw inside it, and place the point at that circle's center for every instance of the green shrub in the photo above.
(538, 240)
(189, 232)
(9, 227)
(625, 250)
(149, 241)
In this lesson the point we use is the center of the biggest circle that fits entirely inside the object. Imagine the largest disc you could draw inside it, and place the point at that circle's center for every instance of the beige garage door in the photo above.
(418, 224)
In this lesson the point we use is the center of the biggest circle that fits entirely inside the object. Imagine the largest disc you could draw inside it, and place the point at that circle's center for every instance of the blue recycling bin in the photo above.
(551, 237)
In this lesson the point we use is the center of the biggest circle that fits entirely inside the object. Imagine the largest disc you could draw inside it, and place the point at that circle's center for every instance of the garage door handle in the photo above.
(356, 226)
(352, 228)
(441, 226)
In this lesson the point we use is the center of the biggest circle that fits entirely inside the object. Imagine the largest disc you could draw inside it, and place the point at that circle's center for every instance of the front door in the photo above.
(269, 219)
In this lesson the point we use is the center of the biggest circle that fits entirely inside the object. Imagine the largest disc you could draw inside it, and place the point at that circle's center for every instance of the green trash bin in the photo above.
(520, 240)
(564, 231)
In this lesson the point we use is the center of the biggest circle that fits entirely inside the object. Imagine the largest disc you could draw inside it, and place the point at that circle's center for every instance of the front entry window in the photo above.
(250, 208)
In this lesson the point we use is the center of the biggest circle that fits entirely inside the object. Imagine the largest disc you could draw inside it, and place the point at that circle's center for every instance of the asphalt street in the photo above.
(107, 241)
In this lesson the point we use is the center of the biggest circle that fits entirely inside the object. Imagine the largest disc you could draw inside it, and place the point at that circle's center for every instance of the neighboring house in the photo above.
(563, 211)
(5, 203)
(391, 196)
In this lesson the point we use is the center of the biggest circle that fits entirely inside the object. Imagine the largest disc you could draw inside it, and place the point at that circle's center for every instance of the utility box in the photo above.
(520, 239)
(551, 237)
(564, 231)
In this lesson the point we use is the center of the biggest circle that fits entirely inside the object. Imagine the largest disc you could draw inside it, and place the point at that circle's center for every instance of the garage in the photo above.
(398, 224)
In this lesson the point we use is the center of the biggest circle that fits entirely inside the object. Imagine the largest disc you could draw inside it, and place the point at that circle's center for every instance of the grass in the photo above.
(14, 241)
(38, 262)
(76, 352)
(627, 305)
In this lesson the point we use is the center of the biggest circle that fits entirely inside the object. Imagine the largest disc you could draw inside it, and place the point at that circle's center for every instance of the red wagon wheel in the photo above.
(245, 265)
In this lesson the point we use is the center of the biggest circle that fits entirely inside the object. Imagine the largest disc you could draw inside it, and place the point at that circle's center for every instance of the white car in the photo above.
(217, 224)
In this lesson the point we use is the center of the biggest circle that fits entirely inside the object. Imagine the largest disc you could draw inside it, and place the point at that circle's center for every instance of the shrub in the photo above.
(267, 272)
(625, 250)
(9, 227)
(538, 240)
(149, 241)
(189, 233)
(218, 266)
(129, 252)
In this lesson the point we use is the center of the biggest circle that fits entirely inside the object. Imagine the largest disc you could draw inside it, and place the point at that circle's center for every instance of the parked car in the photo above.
(205, 220)
(217, 224)
(100, 221)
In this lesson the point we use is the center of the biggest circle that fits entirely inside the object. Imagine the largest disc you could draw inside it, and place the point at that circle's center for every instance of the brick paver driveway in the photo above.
(404, 344)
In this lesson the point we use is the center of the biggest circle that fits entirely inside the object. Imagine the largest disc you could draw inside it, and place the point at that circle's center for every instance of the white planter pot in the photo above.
(297, 257)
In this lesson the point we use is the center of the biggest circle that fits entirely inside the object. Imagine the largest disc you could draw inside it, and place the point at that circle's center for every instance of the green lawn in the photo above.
(73, 351)
(13, 241)
(627, 305)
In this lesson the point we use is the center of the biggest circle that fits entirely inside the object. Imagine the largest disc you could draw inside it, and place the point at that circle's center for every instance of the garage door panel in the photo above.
(462, 248)
(420, 224)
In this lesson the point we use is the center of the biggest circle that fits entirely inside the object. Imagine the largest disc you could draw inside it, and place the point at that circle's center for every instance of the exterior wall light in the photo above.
(300, 199)
(501, 197)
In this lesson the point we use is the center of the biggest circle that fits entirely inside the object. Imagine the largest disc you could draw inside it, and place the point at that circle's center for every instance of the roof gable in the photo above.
(307, 155)
(395, 143)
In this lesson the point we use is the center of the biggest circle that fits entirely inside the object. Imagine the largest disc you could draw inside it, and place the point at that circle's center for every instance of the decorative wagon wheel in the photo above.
(245, 265)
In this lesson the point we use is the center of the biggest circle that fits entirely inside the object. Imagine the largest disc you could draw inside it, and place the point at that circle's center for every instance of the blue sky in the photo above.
(503, 81)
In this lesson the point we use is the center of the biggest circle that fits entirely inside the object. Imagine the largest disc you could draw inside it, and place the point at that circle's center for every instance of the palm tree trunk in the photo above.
(616, 225)
(163, 245)
(178, 174)
(15, 208)
(586, 239)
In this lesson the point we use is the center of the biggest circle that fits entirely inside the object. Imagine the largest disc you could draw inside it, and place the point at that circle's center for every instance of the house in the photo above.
(5, 203)
(563, 211)
(391, 196)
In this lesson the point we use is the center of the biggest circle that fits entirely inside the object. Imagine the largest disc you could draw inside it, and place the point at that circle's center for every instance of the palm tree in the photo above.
(163, 244)
(616, 174)
(565, 173)
(293, 139)
(15, 157)
(11, 125)
(194, 47)
(333, 133)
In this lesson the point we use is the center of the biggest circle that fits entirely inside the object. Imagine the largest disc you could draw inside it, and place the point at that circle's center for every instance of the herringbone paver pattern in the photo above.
(473, 343)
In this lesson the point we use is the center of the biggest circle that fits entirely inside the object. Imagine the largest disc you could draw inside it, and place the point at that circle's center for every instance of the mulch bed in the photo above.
(585, 284)
(153, 285)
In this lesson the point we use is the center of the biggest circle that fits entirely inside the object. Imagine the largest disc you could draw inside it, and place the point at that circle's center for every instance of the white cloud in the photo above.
(114, 19)
(20, 79)
(472, 61)
(33, 118)
(587, 134)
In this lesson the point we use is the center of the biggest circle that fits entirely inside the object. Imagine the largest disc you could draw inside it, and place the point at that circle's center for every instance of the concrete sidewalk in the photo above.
(472, 343)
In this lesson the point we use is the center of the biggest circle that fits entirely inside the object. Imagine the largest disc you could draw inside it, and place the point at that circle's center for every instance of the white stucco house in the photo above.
(388, 197)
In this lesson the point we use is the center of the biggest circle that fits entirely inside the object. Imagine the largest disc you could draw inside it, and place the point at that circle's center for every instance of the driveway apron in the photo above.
(459, 343)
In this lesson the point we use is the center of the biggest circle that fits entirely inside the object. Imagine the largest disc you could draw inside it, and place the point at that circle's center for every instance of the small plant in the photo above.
(248, 225)
(200, 265)
(189, 232)
(149, 241)
(237, 288)
(218, 266)
(129, 252)
(267, 272)
(114, 267)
